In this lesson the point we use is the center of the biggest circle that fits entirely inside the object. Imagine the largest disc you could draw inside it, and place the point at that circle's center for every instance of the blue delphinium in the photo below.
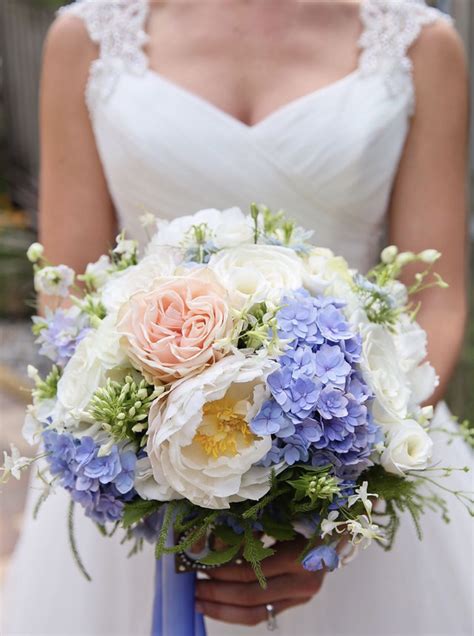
(59, 333)
(100, 484)
(318, 410)
(324, 556)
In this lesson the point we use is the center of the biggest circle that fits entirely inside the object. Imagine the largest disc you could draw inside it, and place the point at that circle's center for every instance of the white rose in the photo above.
(254, 273)
(408, 447)
(226, 228)
(381, 367)
(199, 442)
(122, 285)
(95, 357)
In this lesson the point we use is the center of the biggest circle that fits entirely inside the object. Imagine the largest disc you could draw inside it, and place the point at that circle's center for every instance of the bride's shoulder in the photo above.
(439, 58)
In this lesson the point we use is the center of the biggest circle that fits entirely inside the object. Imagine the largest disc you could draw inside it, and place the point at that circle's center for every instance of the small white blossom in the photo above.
(363, 531)
(126, 248)
(97, 273)
(14, 463)
(35, 252)
(330, 524)
(147, 220)
(54, 281)
(404, 258)
(363, 496)
(429, 256)
(389, 254)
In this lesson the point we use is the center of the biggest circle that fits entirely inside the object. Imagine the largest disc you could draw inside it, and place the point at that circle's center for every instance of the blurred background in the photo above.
(23, 25)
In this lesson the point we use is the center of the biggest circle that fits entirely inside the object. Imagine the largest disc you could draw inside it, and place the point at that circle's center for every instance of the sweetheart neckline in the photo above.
(280, 111)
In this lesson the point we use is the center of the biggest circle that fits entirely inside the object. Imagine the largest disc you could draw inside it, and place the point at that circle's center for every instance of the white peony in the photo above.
(381, 368)
(95, 357)
(408, 447)
(254, 273)
(225, 228)
(199, 442)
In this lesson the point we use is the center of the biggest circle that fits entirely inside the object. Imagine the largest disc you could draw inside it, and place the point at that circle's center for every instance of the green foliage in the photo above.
(136, 511)
(47, 389)
(222, 556)
(255, 552)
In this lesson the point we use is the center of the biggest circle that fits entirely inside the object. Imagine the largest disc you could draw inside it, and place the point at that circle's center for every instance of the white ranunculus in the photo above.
(225, 228)
(124, 284)
(95, 357)
(381, 368)
(254, 273)
(408, 447)
(199, 443)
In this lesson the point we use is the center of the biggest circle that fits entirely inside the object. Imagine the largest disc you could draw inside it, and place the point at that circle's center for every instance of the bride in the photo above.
(352, 116)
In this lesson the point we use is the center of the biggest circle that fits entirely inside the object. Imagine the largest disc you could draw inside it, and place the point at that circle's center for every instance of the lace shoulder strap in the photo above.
(118, 28)
(390, 27)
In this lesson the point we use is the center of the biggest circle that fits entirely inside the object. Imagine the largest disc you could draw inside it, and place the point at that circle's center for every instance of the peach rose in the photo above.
(170, 331)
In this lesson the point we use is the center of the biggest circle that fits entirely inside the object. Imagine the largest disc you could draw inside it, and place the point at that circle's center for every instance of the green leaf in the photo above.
(224, 556)
(277, 529)
(138, 510)
(254, 553)
(228, 535)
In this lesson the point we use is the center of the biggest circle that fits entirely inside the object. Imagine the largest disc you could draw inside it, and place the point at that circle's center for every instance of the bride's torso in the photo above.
(329, 158)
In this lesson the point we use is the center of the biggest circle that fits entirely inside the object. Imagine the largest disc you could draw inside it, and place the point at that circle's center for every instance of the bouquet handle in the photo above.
(174, 612)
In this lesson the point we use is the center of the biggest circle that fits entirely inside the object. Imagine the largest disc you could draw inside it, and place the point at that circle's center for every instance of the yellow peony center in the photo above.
(223, 429)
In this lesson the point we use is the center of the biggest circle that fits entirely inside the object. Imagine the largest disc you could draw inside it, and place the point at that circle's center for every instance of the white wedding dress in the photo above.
(329, 159)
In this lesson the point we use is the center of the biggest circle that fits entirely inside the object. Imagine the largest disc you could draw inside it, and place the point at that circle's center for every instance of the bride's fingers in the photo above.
(284, 560)
(252, 595)
(244, 615)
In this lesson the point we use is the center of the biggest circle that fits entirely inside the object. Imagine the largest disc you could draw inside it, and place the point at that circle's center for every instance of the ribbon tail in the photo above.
(174, 612)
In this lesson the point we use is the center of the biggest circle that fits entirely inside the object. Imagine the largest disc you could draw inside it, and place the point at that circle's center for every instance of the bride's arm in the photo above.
(77, 221)
(429, 199)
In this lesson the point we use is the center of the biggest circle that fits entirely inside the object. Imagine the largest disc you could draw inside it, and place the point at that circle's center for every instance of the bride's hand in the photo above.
(234, 595)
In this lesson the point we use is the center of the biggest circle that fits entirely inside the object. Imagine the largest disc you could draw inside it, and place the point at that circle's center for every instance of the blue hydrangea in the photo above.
(60, 334)
(318, 411)
(100, 484)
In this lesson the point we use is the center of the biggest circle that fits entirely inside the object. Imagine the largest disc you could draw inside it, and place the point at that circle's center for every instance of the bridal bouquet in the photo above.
(234, 387)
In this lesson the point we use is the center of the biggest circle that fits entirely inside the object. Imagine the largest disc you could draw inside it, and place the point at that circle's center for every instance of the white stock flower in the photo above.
(126, 248)
(381, 368)
(226, 228)
(408, 447)
(410, 342)
(54, 281)
(423, 381)
(98, 273)
(254, 273)
(199, 442)
(35, 252)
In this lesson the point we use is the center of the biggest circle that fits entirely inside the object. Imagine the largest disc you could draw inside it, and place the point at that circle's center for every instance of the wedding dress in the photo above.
(329, 159)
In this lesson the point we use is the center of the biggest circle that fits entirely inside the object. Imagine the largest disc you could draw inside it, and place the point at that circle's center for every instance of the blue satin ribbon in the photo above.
(174, 612)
